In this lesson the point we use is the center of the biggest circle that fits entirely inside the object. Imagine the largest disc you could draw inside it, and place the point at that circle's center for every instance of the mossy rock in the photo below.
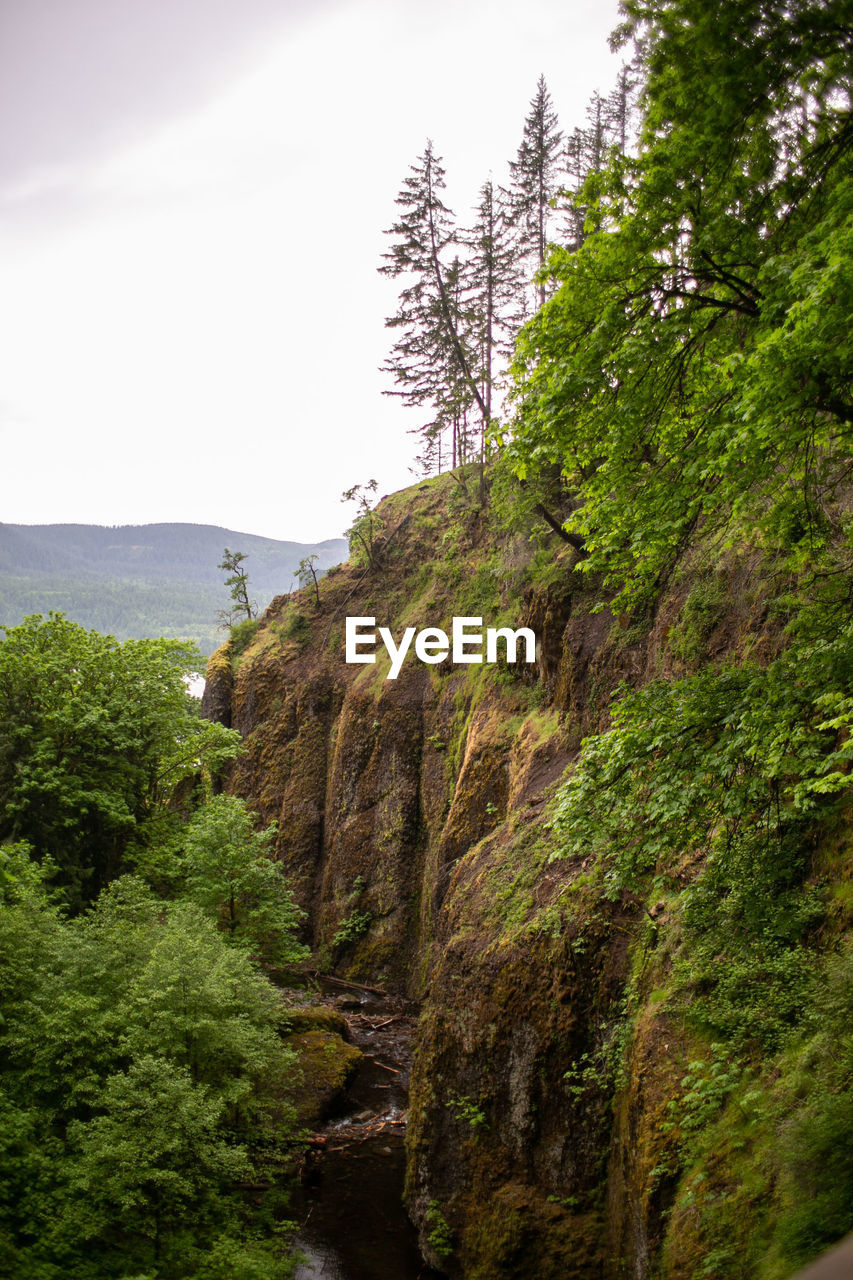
(519, 1234)
(320, 1018)
(328, 1064)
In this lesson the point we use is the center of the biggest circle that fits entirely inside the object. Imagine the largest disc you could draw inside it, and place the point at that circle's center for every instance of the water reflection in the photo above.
(318, 1261)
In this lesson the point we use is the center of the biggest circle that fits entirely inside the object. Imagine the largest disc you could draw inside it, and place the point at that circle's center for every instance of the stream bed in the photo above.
(353, 1225)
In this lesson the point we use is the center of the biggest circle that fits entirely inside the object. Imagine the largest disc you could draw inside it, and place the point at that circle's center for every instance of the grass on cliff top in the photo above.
(439, 555)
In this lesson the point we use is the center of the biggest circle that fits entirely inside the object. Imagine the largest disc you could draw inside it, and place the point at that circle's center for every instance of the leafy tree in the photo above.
(692, 367)
(144, 1080)
(95, 737)
(308, 574)
(155, 1154)
(238, 581)
(231, 874)
(363, 530)
(534, 180)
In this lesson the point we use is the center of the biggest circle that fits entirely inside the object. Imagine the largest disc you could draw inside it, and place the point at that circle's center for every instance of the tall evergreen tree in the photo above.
(430, 361)
(620, 109)
(575, 162)
(493, 295)
(589, 149)
(535, 180)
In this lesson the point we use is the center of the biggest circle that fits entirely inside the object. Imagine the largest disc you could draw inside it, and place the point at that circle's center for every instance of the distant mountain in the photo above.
(143, 580)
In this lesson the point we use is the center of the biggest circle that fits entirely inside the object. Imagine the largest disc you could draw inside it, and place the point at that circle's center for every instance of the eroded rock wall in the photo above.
(414, 822)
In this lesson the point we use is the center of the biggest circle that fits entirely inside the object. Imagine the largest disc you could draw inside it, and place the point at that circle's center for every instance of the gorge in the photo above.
(585, 1102)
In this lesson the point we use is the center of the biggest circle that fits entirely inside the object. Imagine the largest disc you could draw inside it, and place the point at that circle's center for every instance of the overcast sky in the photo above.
(192, 199)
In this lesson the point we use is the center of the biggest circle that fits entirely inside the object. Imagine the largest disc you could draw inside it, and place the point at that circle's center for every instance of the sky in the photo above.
(192, 202)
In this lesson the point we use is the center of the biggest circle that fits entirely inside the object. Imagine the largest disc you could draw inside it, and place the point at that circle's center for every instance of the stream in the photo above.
(353, 1225)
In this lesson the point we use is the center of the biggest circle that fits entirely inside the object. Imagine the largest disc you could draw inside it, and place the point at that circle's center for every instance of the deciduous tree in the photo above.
(694, 365)
(94, 738)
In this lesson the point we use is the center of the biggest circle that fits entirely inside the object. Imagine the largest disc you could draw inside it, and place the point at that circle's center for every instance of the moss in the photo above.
(436, 790)
(219, 661)
(320, 1018)
(376, 958)
(518, 1233)
(327, 1064)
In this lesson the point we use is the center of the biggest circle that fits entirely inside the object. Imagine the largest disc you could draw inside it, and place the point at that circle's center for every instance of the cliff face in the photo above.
(414, 822)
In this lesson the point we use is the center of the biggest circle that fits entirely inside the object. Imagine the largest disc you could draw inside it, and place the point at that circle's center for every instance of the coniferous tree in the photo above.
(238, 581)
(430, 361)
(588, 150)
(620, 110)
(535, 180)
(574, 159)
(494, 290)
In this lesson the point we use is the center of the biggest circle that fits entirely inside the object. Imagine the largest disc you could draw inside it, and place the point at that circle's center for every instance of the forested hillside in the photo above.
(134, 581)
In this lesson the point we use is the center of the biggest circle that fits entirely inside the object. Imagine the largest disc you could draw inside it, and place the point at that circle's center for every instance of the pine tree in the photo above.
(238, 581)
(588, 150)
(572, 232)
(430, 360)
(534, 180)
(620, 110)
(494, 286)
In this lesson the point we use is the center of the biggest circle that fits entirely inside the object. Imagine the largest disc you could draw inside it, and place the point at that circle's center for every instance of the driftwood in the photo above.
(351, 986)
(369, 1129)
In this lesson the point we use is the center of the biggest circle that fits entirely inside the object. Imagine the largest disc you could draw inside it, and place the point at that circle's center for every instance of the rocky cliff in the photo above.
(414, 819)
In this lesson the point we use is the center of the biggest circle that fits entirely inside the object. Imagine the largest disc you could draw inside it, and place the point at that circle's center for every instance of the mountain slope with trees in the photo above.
(137, 581)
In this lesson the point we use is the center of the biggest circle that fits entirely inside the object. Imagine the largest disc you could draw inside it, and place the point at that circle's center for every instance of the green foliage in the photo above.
(766, 1152)
(439, 1235)
(705, 1088)
(717, 761)
(816, 1133)
(364, 529)
(297, 627)
(735, 766)
(355, 924)
(143, 1080)
(231, 874)
(19, 874)
(693, 365)
(241, 635)
(703, 609)
(95, 737)
(465, 1109)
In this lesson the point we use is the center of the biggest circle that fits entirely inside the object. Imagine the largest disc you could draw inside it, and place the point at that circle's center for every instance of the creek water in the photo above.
(353, 1225)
